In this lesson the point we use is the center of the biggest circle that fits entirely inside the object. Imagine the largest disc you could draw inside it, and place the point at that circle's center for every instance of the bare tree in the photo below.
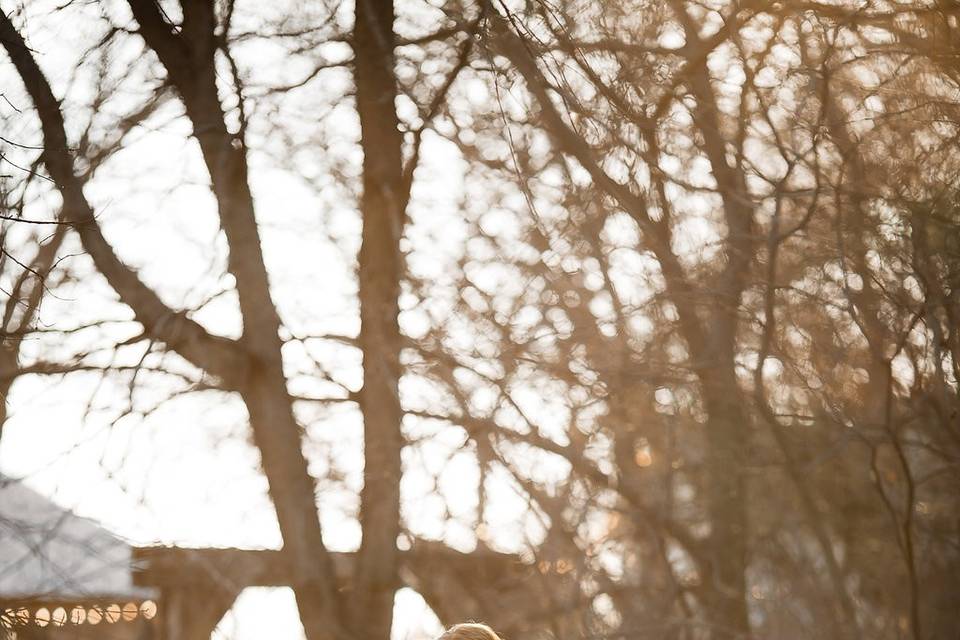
(718, 277)
(251, 366)
(702, 322)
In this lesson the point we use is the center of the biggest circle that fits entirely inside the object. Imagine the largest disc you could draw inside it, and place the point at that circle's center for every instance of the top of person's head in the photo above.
(469, 631)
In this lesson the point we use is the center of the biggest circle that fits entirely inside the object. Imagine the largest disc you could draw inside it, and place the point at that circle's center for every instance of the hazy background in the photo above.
(677, 300)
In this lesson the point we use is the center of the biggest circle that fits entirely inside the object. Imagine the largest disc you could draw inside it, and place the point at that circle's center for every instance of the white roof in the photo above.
(46, 551)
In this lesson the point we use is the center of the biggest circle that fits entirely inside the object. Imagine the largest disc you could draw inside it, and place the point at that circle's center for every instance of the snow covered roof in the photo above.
(48, 552)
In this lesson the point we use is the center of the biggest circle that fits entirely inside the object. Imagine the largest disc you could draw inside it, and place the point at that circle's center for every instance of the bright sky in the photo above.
(186, 473)
(183, 471)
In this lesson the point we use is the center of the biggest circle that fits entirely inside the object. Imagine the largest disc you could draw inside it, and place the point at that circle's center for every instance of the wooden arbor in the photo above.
(64, 577)
(198, 586)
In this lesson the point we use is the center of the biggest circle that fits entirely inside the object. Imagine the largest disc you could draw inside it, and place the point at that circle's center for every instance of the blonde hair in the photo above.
(469, 631)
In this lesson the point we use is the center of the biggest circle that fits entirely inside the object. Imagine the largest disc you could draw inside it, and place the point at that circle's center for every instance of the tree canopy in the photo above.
(660, 298)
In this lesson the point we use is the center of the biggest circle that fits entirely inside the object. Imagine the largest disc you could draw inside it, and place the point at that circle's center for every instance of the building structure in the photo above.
(65, 577)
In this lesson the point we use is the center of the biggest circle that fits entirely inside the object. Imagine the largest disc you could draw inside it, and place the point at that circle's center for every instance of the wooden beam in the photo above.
(241, 568)
(229, 569)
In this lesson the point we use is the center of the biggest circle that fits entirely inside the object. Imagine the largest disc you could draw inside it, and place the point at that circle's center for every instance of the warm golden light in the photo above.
(59, 616)
(148, 609)
(94, 615)
(41, 617)
(643, 458)
(113, 613)
(78, 615)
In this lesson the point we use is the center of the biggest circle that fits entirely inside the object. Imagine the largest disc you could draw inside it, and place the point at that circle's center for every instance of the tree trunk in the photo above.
(725, 491)
(380, 269)
(189, 58)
